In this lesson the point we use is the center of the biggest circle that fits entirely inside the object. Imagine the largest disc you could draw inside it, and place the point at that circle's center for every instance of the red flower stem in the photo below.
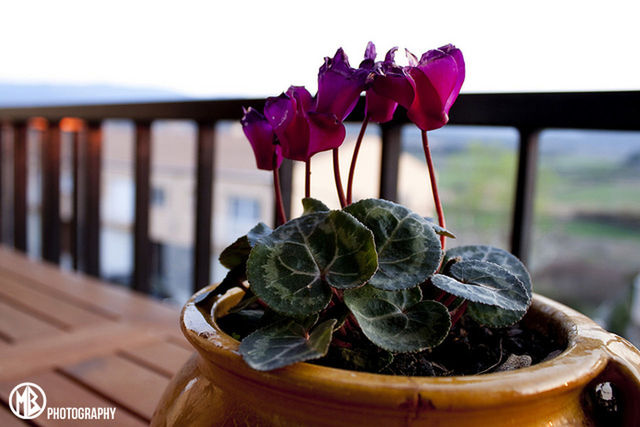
(459, 312)
(434, 186)
(350, 324)
(450, 300)
(339, 343)
(354, 159)
(307, 178)
(262, 304)
(439, 297)
(282, 217)
(336, 174)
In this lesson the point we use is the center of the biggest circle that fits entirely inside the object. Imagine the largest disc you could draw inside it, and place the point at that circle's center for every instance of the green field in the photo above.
(586, 237)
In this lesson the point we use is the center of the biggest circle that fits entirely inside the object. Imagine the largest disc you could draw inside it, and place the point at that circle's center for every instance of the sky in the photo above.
(221, 49)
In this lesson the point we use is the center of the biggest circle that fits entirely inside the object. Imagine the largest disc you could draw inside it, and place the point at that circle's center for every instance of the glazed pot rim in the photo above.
(582, 360)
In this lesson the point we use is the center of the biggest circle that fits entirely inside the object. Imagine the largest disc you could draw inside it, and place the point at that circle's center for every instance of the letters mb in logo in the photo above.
(27, 401)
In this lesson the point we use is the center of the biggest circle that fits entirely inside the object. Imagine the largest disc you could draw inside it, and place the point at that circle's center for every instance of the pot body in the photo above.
(216, 387)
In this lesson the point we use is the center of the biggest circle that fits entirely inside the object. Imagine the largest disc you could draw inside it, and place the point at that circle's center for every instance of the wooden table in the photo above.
(85, 342)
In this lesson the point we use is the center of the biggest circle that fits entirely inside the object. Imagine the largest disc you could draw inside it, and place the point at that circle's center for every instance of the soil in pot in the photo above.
(469, 349)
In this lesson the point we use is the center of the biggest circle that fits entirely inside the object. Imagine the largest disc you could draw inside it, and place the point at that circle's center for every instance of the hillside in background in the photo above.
(24, 94)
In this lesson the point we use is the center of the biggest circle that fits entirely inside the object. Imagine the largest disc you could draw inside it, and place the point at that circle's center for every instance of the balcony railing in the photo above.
(529, 113)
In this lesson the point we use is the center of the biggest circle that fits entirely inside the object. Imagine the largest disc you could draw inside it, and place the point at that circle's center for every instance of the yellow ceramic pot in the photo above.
(216, 387)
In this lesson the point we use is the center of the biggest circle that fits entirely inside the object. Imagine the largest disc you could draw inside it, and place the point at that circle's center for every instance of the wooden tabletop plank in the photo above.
(18, 326)
(7, 419)
(56, 310)
(116, 301)
(63, 392)
(34, 356)
(89, 341)
(127, 383)
(164, 357)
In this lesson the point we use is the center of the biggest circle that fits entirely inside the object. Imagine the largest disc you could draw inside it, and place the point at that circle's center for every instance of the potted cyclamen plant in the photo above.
(394, 329)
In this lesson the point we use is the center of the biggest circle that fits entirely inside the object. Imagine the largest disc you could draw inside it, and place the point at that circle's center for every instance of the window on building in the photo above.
(158, 196)
(243, 214)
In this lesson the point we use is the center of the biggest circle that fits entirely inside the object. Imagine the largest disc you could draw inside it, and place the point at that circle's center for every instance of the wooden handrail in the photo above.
(580, 110)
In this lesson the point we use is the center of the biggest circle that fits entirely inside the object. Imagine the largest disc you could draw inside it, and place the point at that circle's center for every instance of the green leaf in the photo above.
(398, 321)
(439, 230)
(496, 317)
(312, 205)
(486, 283)
(486, 314)
(284, 343)
(495, 255)
(293, 268)
(237, 253)
(408, 249)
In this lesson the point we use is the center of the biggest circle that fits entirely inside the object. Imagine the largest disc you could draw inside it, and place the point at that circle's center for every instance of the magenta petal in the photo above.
(378, 108)
(389, 58)
(262, 139)
(411, 58)
(437, 80)
(302, 96)
(326, 132)
(369, 57)
(338, 94)
(295, 140)
(279, 111)
(442, 70)
(456, 54)
(426, 110)
(286, 116)
(339, 86)
(396, 87)
(370, 51)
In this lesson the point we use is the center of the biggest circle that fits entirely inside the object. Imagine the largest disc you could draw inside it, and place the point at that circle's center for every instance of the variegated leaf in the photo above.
(237, 253)
(398, 321)
(408, 249)
(293, 268)
(440, 230)
(495, 255)
(486, 283)
(311, 205)
(487, 314)
(493, 316)
(284, 343)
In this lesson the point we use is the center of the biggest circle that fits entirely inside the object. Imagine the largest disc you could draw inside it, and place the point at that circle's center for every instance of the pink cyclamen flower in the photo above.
(437, 79)
(262, 139)
(339, 86)
(301, 131)
(388, 86)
